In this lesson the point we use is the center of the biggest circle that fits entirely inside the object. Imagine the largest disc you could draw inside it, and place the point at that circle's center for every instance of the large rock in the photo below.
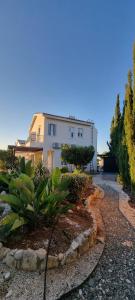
(3, 252)
(41, 254)
(29, 260)
(19, 254)
(69, 256)
(10, 260)
(52, 262)
(84, 246)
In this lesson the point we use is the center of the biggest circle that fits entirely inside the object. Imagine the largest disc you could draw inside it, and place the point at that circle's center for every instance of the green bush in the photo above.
(1, 210)
(119, 179)
(40, 174)
(30, 206)
(64, 169)
(77, 186)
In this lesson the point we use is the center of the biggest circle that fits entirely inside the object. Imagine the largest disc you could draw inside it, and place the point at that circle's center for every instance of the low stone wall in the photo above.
(33, 260)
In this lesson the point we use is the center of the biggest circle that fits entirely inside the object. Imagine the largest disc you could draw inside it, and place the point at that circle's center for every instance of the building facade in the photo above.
(48, 133)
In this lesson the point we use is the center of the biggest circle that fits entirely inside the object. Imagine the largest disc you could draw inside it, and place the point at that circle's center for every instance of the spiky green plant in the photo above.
(29, 206)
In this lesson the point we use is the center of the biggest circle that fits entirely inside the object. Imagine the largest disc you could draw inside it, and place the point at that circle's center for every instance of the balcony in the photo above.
(35, 139)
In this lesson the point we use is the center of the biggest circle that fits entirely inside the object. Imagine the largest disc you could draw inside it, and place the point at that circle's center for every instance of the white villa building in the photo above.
(48, 133)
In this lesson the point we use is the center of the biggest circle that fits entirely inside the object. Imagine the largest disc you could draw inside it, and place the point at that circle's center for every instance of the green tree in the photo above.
(123, 159)
(129, 129)
(114, 130)
(77, 155)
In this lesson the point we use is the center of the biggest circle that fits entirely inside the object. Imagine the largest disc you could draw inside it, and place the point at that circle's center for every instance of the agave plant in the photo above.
(28, 205)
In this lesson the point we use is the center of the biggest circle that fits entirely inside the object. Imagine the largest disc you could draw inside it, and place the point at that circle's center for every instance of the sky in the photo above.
(65, 57)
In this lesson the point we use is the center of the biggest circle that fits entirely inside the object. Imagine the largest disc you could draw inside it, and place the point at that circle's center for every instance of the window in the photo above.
(52, 129)
(80, 132)
(72, 133)
(39, 130)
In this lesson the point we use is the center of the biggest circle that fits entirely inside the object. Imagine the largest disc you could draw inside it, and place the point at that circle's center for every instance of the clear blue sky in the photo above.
(63, 57)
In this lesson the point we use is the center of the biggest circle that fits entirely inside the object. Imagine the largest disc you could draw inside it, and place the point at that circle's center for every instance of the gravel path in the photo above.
(114, 277)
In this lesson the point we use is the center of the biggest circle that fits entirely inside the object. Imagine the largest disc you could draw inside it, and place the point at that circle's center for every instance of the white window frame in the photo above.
(51, 129)
(72, 132)
(80, 132)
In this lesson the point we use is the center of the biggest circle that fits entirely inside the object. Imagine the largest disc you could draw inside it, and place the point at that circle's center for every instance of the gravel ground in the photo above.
(114, 277)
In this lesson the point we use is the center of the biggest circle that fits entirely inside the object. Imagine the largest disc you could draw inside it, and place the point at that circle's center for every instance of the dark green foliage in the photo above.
(77, 155)
(77, 186)
(1, 210)
(11, 162)
(114, 131)
(64, 169)
(122, 133)
(41, 173)
(25, 167)
(30, 205)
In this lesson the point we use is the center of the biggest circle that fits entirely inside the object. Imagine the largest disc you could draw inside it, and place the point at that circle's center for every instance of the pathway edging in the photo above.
(124, 207)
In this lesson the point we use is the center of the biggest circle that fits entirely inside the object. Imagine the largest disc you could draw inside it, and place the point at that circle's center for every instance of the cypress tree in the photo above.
(114, 130)
(133, 132)
(123, 159)
(129, 129)
(117, 112)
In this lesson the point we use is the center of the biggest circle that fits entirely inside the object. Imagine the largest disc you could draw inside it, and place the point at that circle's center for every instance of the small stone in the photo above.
(1, 245)
(110, 271)
(128, 281)
(100, 239)
(3, 193)
(9, 294)
(70, 211)
(7, 276)
(80, 292)
(60, 256)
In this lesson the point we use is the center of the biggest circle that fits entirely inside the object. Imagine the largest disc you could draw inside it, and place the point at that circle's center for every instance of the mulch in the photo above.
(68, 227)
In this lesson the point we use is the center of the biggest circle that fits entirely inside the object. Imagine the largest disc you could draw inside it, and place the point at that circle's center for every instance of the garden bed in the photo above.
(69, 226)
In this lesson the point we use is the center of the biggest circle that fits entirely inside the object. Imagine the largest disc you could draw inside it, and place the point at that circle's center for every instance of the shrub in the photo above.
(30, 206)
(40, 174)
(64, 169)
(1, 210)
(3, 166)
(77, 186)
(119, 179)
(25, 167)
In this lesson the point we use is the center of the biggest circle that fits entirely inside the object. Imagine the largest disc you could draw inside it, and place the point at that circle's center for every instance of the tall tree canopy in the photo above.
(122, 132)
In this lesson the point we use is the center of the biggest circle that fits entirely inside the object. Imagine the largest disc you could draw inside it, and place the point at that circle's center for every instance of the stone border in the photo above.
(62, 280)
(34, 260)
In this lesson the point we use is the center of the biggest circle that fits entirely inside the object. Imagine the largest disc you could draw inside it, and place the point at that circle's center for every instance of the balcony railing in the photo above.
(35, 138)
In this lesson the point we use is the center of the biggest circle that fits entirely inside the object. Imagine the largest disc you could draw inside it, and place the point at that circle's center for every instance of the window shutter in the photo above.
(54, 129)
(49, 129)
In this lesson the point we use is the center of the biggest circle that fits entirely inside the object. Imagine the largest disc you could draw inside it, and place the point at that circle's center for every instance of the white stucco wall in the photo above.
(62, 136)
